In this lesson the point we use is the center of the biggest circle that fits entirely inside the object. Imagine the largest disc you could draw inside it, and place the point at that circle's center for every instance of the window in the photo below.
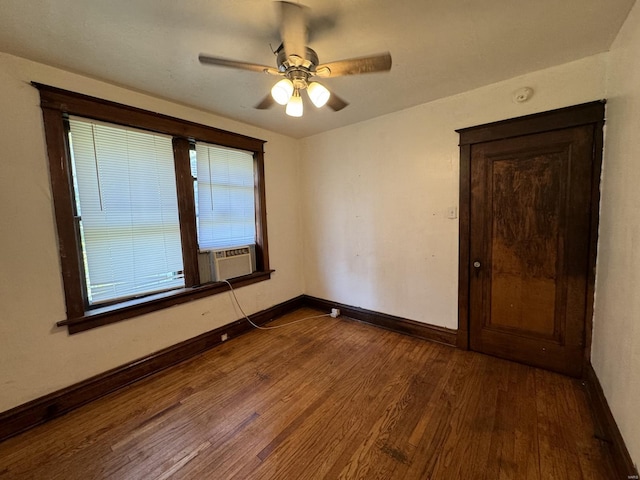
(127, 211)
(137, 196)
(225, 210)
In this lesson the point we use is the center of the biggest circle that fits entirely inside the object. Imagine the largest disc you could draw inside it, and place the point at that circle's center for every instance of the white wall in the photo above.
(616, 336)
(35, 356)
(376, 195)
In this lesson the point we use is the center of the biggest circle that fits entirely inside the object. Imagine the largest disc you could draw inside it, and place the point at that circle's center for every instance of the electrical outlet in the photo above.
(224, 337)
(335, 312)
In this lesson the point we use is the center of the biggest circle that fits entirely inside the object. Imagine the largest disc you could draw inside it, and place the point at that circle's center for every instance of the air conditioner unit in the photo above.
(222, 264)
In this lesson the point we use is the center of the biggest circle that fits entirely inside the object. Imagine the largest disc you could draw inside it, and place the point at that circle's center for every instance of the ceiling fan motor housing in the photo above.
(295, 67)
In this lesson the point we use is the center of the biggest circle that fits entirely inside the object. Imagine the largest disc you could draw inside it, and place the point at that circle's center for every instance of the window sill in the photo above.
(133, 308)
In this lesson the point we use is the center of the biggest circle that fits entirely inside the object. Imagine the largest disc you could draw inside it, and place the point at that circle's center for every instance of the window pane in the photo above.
(225, 192)
(126, 192)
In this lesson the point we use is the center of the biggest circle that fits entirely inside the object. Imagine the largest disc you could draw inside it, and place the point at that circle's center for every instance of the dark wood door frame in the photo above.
(585, 114)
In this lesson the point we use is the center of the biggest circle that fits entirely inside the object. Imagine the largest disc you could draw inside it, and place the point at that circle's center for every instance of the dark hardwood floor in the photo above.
(325, 398)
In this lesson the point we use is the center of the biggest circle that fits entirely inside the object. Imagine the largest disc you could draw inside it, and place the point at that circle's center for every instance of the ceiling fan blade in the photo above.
(335, 103)
(354, 66)
(266, 102)
(319, 26)
(293, 29)
(224, 62)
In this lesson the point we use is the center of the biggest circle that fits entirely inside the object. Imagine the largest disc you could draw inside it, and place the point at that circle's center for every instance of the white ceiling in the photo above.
(439, 47)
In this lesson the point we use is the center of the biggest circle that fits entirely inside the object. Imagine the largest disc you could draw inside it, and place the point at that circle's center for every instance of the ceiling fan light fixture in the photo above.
(318, 94)
(282, 91)
(294, 106)
(297, 64)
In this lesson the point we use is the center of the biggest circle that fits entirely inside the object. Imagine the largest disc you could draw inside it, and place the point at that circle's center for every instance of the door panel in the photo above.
(529, 247)
(525, 207)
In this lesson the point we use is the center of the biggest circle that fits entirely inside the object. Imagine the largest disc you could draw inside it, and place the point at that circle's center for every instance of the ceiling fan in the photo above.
(299, 64)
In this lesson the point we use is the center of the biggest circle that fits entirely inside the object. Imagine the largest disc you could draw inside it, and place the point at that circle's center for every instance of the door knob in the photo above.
(476, 264)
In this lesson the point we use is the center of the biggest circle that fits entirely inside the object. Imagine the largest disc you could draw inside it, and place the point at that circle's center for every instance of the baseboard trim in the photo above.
(607, 428)
(389, 322)
(48, 407)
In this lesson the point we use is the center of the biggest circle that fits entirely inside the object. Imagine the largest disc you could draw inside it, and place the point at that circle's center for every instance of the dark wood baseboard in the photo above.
(390, 322)
(606, 427)
(58, 403)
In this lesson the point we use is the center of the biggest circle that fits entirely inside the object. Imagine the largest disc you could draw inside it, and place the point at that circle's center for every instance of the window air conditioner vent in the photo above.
(222, 264)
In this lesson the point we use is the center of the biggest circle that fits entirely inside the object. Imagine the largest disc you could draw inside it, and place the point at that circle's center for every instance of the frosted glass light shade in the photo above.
(318, 94)
(282, 91)
(294, 107)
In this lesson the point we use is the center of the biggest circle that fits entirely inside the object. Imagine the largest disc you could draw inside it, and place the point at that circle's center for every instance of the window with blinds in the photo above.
(138, 196)
(224, 189)
(127, 210)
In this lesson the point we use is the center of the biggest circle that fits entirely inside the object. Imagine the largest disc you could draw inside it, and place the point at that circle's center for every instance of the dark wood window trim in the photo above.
(56, 104)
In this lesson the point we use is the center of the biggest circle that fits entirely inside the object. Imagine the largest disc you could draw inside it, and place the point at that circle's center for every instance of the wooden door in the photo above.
(530, 246)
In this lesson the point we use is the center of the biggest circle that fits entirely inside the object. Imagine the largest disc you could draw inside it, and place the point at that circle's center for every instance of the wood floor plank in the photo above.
(351, 393)
(312, 424)
(515, 434)
(381, 451)
(324, 399)
(433, 453)
(312, 378)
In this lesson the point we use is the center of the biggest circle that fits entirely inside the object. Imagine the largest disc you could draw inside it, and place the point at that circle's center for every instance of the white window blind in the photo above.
(226, 199)
(126, 197)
